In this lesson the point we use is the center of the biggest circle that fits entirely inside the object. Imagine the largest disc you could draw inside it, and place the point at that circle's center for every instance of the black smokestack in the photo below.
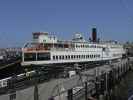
(94, 35)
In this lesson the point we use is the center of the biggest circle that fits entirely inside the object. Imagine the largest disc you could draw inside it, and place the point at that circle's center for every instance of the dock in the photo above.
(93, 82)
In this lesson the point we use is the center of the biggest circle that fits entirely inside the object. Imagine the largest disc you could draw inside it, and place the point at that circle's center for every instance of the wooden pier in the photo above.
(96, 83)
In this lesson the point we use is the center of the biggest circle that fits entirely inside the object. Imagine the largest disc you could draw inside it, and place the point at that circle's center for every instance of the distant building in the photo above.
(9, 52)
(3, 54)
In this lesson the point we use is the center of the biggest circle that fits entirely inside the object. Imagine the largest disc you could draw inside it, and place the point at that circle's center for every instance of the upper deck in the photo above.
(42, 42)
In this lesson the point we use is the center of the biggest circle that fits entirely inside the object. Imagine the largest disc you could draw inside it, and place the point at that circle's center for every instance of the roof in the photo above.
(40, 33)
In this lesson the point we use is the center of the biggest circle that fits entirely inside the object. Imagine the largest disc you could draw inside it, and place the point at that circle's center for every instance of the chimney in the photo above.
(94, 35)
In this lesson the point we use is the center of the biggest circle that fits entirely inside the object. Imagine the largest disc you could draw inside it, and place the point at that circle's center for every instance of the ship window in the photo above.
(56, 57)
(29, 56)
(53, 57)
(59, 57)
(86, 56)
(76, 56)
(43, 56)
(62, 57)
(66, 57)
(86, 46)
(72, 56)
(35, 36)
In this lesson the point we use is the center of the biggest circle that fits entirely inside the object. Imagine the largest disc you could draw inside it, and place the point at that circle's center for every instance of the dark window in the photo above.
(35, 36)
(57, 57)
(66, 57)
(43, 56)
(62, 57)
(72, 56)
(53, 57)
(29, 56)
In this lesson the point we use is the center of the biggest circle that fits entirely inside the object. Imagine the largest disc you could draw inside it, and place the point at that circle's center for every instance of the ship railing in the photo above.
(46, 49)
(34, 49)
(62, 49)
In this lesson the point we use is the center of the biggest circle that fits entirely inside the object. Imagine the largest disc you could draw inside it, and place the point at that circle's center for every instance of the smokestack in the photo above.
(94, 35)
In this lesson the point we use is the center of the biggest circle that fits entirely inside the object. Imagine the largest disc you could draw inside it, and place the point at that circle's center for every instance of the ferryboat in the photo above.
(47, 50)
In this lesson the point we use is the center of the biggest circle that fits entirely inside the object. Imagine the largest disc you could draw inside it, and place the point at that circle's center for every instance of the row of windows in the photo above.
(117, 47)
(88, 46)
(115, 55)
(36, 57)
(75, 57)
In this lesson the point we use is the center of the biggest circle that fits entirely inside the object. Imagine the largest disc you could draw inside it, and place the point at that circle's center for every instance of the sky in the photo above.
(19, 18)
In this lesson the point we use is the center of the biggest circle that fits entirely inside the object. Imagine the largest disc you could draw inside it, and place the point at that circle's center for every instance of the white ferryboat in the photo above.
(46, 49)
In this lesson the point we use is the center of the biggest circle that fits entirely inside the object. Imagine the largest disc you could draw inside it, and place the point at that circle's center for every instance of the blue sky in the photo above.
(19, 18)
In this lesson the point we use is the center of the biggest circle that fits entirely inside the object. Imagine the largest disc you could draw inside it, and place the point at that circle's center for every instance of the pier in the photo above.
(95, 83)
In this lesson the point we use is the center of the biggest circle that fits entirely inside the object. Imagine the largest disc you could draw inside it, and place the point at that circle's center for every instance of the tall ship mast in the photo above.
(48, 50)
